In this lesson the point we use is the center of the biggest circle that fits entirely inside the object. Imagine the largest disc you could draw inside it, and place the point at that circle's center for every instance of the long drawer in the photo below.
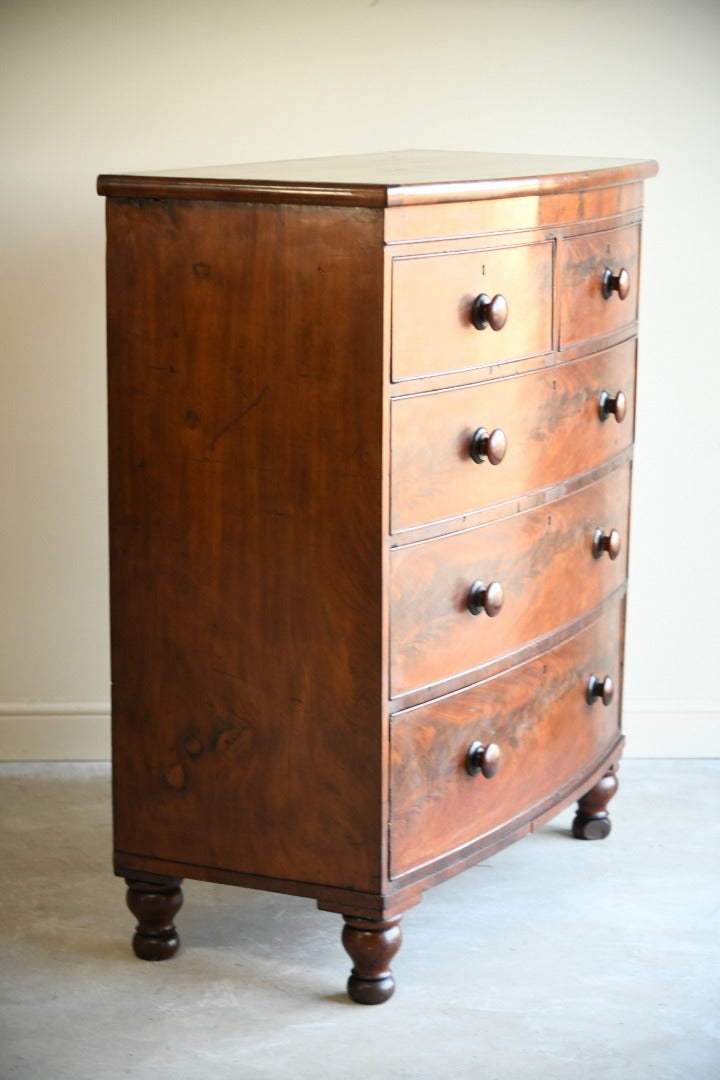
(551, 421)
(544, 562)
(544, 733)
(588, 307)
(432, 301)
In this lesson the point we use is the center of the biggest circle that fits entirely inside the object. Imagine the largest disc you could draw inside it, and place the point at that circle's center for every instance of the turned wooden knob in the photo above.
(597, 688)
(487, 598)
(488, 446)
(615, 406)
(483, 759)
(619, 283)
(609, 542)
(487, 312)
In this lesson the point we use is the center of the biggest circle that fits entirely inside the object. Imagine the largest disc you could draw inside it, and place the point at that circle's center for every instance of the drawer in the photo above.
(544, 561)
(539, 718)
(587, 310)
(432, 302)
(552, 426)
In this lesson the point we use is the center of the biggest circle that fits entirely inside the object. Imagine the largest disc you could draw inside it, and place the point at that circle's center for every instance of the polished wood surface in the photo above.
(546, 732)
(457, 220)
(370, 443)
(155, 905)
(371, 945)
(544, 561)
(585, 311)
(245, 494)
(592, 820)
(401, 177)
(433, 299)
(552, 429)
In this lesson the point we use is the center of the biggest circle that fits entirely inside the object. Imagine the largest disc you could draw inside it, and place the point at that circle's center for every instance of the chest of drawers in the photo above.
(370, 430)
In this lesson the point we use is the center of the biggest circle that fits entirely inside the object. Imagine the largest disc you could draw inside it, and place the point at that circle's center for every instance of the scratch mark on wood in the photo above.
(236, 419)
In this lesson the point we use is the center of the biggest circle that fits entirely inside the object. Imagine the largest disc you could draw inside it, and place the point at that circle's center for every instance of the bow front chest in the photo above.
(370, 426)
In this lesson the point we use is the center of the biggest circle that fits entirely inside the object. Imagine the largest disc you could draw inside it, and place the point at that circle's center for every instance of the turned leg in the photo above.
(592, 821)
(155, 905)
(371, 946)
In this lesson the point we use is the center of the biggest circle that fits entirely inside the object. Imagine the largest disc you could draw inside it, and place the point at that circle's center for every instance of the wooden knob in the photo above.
(487, 312)
(483, 759)
(487, 598)
(488, 446)
(597, 688)
(619, 283)
(616, 406)
(609, 542)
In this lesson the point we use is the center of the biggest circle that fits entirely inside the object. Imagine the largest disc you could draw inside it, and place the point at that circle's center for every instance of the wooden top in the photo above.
(394, 178)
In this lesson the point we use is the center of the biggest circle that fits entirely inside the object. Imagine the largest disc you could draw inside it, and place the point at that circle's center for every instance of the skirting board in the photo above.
(674, 730)
(50, 732)
(81, 731)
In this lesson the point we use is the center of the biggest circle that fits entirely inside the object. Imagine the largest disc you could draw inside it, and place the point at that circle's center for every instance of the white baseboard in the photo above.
(672, 731)
(81, 731)
(51, 732)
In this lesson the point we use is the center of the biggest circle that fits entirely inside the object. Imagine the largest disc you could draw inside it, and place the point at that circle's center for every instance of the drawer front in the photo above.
(585, 311)
(551, 420)
(538, 716)
(432, 301)
(544, 561)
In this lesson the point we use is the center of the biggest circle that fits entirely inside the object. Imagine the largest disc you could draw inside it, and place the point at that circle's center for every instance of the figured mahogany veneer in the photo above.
(432, 301)
(546, 731)
(588, 312)
(370, 442)
(544, 559)
(553, 431)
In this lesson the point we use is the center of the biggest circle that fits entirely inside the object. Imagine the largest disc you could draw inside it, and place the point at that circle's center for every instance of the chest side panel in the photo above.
(245, 502)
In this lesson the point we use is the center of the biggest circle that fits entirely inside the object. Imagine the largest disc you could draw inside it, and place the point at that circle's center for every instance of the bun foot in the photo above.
(155, 905)
(591, 828)
(371, 945)
(592, 821)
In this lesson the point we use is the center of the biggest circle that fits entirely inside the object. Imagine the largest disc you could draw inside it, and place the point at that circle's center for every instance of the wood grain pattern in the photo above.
(418, 223)
(432, 300)
(553, 430)
(245, 516)
(543, 559)
(396, 177)
(584, 311)
(539, 717)
(296, 522)
(371, 946)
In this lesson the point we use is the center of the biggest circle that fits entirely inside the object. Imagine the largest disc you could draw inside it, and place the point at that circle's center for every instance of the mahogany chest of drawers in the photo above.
(370, 426)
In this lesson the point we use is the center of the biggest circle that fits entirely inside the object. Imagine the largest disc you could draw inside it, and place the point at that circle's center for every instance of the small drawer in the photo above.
(552, 426)
(433, 298)
(599, 284)
(540, 731)
(544, 563)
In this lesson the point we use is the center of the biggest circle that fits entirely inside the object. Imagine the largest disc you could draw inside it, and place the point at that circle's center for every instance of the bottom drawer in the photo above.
(544, 729)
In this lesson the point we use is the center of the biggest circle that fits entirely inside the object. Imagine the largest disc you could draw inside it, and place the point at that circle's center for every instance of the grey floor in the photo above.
(556, 959)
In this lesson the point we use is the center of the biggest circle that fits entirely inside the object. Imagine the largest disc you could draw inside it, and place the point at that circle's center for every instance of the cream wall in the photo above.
(105, 86)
